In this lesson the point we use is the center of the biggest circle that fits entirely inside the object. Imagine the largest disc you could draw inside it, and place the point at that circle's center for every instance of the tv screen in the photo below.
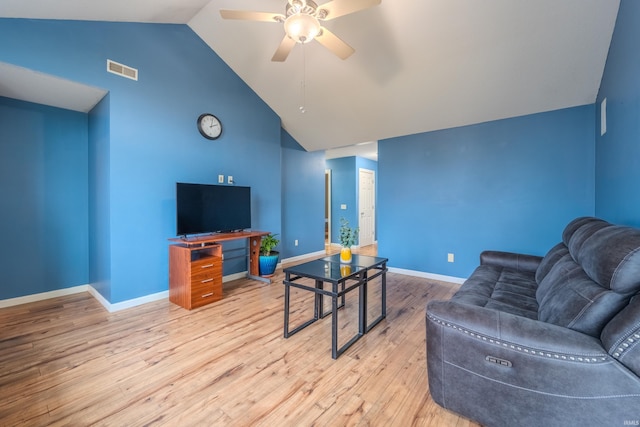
(206, 208)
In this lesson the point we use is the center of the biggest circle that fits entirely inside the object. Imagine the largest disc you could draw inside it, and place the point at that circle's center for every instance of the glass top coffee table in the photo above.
(343, 278)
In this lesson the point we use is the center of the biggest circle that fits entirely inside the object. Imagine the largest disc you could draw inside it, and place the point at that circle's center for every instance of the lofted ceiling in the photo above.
(419, 65)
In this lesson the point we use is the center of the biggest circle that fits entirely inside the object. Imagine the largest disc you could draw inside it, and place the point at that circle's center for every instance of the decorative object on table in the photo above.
(348, 237)
(345, 270)
(268, 257)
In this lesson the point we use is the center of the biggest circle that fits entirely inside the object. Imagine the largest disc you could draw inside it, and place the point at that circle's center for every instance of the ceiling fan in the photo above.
(302, 23)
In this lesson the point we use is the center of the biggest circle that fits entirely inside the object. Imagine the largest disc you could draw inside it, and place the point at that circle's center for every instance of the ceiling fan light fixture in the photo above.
(301, 27)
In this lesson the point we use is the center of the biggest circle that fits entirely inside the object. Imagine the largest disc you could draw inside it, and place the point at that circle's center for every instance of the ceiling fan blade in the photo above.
(334, 44)
(247, 15)
(336, 8)
(286, 46)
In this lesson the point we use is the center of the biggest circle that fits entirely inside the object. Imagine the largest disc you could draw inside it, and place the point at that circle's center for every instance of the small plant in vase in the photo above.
(268, 257)
(348, 238)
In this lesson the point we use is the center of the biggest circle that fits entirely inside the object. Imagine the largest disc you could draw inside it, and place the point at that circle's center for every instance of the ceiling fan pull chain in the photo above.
(303, 84)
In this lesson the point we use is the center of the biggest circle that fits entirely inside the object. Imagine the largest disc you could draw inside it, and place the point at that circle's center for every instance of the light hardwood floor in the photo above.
(67, 361)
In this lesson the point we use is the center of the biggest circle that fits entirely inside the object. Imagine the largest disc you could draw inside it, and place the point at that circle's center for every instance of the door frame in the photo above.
(327, 203)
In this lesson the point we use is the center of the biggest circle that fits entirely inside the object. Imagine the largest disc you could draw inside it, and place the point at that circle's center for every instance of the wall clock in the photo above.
(209, 126)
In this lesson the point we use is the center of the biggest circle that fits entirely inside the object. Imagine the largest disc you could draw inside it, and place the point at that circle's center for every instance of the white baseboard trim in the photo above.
(358, 246)
(43, 296)
(234, 276)
(433, 276)
(302, 257)
(122, 305)
(241, 275)
(165, 294)
(84, 288)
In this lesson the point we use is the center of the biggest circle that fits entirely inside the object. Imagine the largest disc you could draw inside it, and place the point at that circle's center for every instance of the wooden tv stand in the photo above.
(195, 266)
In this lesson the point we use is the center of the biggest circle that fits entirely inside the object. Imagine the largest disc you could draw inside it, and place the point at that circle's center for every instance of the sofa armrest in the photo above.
(516, 332)
(519, 262)
(494, 367)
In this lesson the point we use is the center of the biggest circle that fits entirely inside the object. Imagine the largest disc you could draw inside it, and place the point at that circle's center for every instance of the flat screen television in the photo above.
(207, 208)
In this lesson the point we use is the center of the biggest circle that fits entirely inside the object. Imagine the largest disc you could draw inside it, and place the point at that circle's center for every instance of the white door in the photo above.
(367, 206)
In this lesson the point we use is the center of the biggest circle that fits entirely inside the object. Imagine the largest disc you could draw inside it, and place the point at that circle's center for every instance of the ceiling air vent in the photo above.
(122, 70)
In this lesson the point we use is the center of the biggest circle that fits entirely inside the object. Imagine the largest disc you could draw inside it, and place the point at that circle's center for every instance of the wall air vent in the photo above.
(122, 70)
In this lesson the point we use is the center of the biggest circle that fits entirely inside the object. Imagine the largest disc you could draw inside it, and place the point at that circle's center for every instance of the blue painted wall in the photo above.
(44, 192)
(302, 198)
(618, 150)
(506, 185)
(152, 137)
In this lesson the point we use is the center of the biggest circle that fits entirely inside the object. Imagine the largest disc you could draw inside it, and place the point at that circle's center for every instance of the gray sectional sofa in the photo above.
(551, 340)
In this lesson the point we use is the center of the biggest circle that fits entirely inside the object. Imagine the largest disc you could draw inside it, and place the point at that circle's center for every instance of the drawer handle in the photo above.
(206, 280)
(207, 295)
(207, 266)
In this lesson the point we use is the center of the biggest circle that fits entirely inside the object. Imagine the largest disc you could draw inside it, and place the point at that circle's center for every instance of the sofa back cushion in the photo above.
(592, 278)
(578, 223)
(611, 257)
(549, 260)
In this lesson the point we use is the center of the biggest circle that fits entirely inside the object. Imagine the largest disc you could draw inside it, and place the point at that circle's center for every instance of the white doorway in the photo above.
(367, 206)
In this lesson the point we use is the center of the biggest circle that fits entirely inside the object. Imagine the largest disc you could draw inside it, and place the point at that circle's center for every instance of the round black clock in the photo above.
(209, 126)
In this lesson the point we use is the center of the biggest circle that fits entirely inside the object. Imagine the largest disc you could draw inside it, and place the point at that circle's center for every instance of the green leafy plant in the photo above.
(348, 235)
(267, 244)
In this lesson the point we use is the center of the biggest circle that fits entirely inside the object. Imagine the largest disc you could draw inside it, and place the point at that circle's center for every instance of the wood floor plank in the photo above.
(67, 361)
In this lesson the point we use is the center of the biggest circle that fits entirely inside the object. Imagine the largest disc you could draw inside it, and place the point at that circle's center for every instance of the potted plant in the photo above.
(348, 238)
(268, 257)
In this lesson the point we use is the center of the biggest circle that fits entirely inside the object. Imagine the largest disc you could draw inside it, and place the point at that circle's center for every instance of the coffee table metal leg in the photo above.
(362, 309)
(383, 299)
(287, 301)
(318, 311)
(334, 327)
(286, 310)
(384, 290)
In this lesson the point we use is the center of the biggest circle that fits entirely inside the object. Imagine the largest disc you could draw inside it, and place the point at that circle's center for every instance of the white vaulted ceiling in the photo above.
(419, 65)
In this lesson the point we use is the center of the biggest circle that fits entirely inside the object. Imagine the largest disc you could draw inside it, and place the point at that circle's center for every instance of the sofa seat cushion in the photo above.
(501, 288)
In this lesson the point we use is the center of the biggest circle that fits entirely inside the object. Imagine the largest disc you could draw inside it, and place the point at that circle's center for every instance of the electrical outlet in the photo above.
(220, 179)
(296, 242)
(229, 179)
(449, 257)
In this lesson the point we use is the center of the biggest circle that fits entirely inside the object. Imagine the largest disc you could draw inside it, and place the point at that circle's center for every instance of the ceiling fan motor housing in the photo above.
(308, 7)
(301, 24)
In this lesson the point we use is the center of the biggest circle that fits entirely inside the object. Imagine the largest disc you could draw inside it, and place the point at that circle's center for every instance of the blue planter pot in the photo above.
(268, 263)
